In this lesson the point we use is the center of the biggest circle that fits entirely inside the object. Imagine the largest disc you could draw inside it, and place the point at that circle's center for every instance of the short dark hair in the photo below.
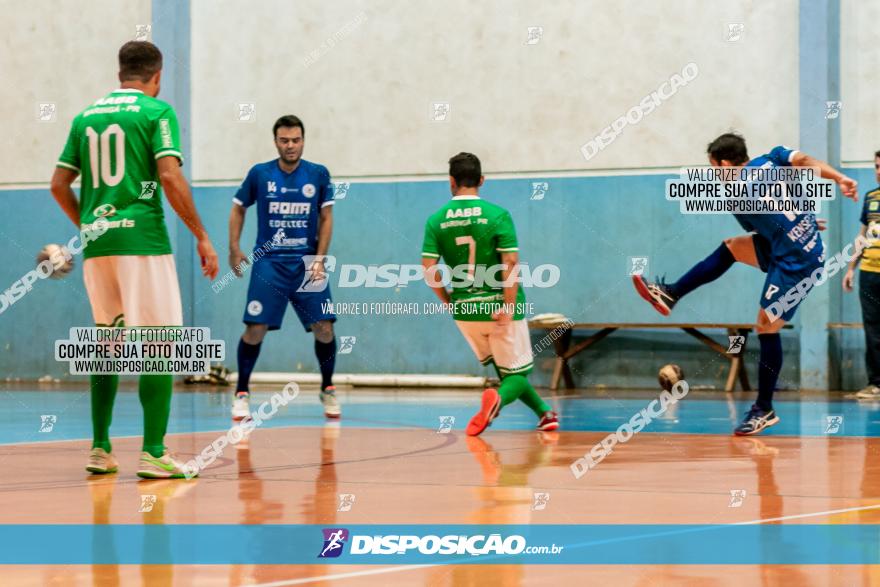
(466, 170)
(730, 147)
(139, 60)
(289, 121)
(876, 154)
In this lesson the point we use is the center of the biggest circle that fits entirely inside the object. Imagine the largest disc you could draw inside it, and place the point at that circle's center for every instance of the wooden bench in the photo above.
(565, 351)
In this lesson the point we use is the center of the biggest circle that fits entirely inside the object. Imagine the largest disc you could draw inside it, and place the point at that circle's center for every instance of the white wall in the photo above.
(860, 80)
(61, 52)
(366, 100)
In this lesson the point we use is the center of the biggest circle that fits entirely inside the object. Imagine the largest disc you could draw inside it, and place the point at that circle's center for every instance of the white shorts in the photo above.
(140, 290)
(508, 346)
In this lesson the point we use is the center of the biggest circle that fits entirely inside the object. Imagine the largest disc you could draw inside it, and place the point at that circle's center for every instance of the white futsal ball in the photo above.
(60, 258)
(669, 375)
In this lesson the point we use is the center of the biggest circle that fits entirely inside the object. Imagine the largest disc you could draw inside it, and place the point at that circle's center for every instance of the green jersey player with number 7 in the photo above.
(126, 147)
(477, 240)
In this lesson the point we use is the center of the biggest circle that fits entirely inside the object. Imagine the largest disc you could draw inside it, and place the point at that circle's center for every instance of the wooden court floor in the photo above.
(294, 475)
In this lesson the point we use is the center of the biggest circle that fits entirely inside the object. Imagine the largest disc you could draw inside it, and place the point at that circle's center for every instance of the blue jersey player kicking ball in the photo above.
(294, 201)
(785, 246)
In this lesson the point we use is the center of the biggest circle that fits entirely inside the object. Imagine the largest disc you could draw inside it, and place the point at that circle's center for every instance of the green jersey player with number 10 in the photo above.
(124, 146)
(477, 240)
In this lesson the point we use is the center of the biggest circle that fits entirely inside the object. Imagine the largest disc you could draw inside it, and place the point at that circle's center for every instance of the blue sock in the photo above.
(247, 358)
(707, 270)
(326, 353)
(768, 368)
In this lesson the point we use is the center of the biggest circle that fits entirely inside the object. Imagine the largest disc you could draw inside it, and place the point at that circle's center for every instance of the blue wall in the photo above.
(588, 226)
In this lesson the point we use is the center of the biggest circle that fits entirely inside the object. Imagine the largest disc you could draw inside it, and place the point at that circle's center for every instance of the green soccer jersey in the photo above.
(470, 234)
(114, 145)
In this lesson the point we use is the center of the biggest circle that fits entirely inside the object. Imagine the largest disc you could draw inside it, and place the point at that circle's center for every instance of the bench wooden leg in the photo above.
(569, 351)
(733, 374)
(737, 367)
(743, 373)
(557, 373)
(560, 368)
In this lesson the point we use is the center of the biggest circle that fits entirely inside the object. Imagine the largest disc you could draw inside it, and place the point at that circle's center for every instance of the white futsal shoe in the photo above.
(241, 407)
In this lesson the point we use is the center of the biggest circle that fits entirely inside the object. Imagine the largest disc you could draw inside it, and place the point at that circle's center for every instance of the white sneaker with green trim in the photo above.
(164, 467)
(241, 407)
(101, 462)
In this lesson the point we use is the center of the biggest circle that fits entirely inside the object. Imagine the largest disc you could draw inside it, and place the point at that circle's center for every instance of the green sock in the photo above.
(531, 398)
(103, 389)
(155, 394)
(510, 389)
(514, 387)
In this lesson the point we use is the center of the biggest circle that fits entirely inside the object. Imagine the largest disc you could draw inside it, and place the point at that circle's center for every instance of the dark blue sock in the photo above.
(768, 368)
(326, 353)
(709, 269)
(247, 358)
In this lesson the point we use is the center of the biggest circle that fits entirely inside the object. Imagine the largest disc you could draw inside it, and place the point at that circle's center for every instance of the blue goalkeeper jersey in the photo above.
(288, 206)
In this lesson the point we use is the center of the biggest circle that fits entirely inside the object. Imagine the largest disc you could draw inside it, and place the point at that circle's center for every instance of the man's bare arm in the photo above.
(858, 251)
(62, 179)
(177, 191)
(509, 277)
(433, 280)
(325, 234)
(849, 277)
(236, 223)
(848, 186)
(325, 230)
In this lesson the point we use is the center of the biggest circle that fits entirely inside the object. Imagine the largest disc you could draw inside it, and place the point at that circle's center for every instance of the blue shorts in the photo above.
(784, 289)
(274, 283)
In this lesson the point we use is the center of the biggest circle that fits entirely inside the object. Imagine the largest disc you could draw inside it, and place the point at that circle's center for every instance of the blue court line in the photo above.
(205, 412)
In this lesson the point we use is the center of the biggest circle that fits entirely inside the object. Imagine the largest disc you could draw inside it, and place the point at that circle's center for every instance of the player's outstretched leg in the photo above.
(248, 352)
(156, 462)
(517, 387)
(103, 395)
(762, 415)
(663, 296)
(514, 387)
(510, 351)
(325, 352)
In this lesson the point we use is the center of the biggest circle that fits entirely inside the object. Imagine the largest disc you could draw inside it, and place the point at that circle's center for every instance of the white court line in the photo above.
(412, 567)
(813, 515)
